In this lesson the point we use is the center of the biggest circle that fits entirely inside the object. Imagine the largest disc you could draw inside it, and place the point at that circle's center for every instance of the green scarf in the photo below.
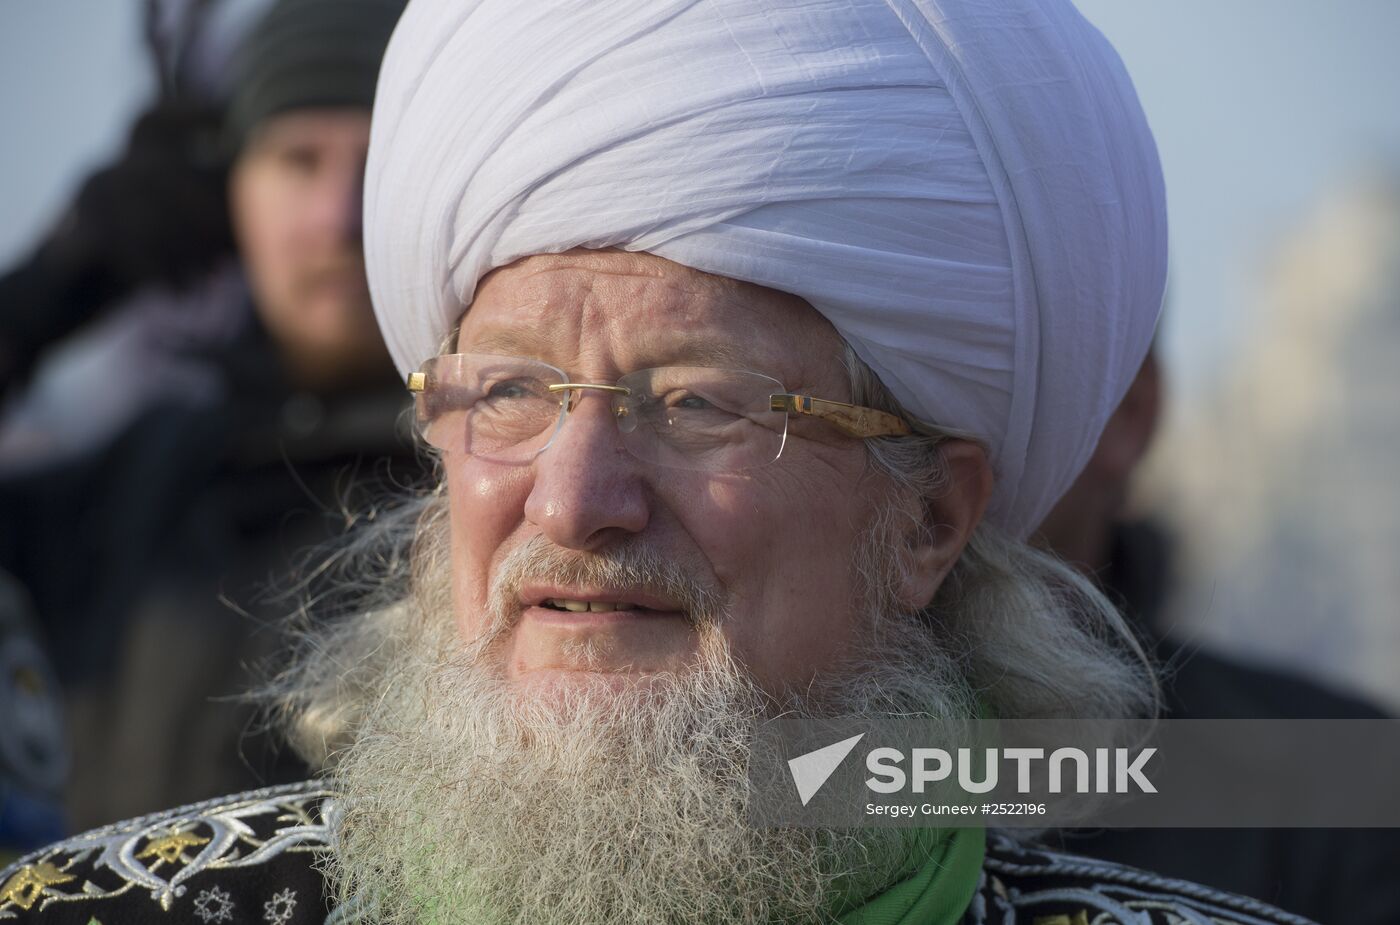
(938, 891)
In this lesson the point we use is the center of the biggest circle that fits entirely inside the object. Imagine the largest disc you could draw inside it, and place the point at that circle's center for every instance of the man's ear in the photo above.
(950, 518)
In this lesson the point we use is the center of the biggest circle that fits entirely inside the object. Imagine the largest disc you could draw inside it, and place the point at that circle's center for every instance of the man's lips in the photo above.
(563, 606)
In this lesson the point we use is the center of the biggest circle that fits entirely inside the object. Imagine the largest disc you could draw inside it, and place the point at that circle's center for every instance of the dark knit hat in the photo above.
(308, 53)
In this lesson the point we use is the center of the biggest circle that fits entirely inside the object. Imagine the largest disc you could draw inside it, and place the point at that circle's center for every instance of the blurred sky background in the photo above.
(1279, 127)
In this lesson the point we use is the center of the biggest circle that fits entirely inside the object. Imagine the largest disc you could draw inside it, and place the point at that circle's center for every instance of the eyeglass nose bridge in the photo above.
(572, 389)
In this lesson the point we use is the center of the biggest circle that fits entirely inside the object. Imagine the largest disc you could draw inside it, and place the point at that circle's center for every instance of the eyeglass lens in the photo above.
(501, 409)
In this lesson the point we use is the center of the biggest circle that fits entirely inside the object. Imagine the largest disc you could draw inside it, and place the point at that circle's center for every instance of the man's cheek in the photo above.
(729, 524)
(488, 487)
(486, 508)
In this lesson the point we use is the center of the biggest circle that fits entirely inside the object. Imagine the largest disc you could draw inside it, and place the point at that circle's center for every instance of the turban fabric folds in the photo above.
(967, 190)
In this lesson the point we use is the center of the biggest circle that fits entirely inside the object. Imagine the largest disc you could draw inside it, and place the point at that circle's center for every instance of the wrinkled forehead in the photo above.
(617, 311)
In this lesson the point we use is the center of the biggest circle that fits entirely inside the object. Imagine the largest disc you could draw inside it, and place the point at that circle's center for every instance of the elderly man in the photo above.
(753, 337)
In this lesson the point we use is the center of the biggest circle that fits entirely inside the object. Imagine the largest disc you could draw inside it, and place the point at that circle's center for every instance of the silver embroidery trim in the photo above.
(232, 842)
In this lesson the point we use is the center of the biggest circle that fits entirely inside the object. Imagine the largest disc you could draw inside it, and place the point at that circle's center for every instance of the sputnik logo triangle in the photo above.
(811, 771)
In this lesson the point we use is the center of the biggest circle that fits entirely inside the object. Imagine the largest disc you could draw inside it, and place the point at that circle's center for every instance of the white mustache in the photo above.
(625, 567)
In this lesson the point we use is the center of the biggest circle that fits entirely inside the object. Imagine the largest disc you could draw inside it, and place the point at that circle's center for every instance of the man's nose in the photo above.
(588, 489)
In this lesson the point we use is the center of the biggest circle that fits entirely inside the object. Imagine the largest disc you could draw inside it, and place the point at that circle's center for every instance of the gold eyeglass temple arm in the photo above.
(856, 420)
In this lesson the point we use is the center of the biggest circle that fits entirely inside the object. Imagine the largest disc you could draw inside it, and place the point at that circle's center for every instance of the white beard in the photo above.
(465, 802)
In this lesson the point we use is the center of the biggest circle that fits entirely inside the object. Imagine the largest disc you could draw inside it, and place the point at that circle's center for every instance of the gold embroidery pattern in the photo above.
(31, 882)
(162, 852)
(170, 849)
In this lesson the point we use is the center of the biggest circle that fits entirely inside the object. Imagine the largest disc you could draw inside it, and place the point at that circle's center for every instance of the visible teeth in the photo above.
(585, 606)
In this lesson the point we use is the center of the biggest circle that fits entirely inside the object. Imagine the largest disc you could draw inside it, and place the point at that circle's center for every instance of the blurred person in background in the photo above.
(151, 551)
(137, 262)
(1330, 875)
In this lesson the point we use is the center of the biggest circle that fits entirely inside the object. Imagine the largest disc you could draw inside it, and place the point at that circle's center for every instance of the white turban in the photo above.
(967, 190)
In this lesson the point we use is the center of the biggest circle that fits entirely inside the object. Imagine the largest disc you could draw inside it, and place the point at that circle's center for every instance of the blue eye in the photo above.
(513, 388)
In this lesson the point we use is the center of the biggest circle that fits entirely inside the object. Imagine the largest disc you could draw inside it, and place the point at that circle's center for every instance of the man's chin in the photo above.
(624, 654)
(588, 690)
(549, 683)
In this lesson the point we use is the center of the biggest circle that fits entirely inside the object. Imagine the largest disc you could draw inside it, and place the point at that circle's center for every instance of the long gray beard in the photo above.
(467, 803)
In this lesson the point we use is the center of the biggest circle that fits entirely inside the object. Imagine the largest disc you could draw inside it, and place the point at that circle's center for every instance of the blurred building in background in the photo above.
(1284, 476)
